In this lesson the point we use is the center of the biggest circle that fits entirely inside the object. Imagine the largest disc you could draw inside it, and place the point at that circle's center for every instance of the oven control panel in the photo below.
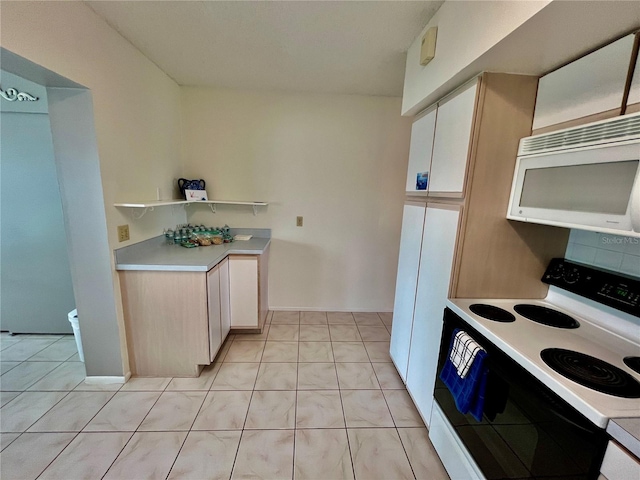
(609, 288)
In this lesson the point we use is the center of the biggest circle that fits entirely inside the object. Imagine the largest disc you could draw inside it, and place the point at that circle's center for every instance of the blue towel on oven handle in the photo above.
(468, 392)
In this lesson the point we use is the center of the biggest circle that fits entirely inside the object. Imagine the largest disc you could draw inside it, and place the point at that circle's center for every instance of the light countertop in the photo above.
(156, 254)
(626, 431)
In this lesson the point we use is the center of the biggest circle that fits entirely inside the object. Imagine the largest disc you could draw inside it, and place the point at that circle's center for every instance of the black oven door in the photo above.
(527, 431)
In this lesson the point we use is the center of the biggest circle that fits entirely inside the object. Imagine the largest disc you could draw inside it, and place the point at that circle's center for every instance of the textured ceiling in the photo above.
(346, 47)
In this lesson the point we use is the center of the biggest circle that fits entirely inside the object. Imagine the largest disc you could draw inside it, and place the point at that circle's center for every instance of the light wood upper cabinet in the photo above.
(588, 89)
(420, 149)
(454, 122)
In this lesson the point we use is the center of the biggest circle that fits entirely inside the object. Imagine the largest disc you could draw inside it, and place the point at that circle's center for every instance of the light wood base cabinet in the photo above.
(176, 322)
(167, 322)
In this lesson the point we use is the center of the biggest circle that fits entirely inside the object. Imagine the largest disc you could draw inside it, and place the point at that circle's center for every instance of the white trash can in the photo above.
(73, 318)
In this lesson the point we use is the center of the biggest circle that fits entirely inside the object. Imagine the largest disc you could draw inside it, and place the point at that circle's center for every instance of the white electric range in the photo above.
(599, 345)
(524, 339)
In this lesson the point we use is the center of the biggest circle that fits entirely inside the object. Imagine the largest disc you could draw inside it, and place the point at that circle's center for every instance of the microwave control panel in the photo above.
(619, 291)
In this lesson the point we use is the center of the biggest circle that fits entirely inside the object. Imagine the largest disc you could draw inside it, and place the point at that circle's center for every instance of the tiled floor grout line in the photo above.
(118, 455)
(235, 458)
(395, 425)
(19, 435)
(246, 415)
(147, 414)
(189, 430)
(46, 346)
(406, 453)
(76, 433)
(132, 433)
(7, 371)
(295, 408)
(31, 425)
(344, 417)
(52, 344)
(60, 453)
(36, 381)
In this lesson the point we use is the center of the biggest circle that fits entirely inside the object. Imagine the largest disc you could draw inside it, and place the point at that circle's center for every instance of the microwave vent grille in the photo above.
(612, 130)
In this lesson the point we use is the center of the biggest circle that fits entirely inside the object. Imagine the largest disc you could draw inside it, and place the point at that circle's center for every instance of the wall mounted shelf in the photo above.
(145, 207)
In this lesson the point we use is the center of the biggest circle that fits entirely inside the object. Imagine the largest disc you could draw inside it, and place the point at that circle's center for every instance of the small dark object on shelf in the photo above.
(184, 184)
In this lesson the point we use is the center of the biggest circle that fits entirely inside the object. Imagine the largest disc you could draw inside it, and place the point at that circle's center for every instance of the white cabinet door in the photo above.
(406, 281)
(452, 139)
(420, 149)
(434, 276)
(215, 327)
(590, 85)
(225, 308)
(243, 290)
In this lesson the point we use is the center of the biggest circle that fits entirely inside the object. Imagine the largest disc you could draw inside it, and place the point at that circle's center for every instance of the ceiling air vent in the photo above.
(616, 129)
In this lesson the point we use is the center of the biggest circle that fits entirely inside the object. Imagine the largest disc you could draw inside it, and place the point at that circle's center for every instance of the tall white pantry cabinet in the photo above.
(456, 240)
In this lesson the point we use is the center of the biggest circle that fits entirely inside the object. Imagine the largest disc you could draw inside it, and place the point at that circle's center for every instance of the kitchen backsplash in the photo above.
(613, 252)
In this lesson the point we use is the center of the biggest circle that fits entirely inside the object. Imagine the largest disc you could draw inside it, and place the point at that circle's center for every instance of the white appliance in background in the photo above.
(585, 177)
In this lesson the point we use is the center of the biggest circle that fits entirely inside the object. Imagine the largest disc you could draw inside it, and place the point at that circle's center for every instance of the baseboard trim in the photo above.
(103, 380)
(315, 309)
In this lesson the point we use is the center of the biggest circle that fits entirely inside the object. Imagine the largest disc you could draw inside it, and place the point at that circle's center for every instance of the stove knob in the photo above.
(557, 271)
(571, 276)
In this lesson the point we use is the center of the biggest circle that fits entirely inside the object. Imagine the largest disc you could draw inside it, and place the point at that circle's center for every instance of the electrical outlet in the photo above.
(298, 221)
(123, 233)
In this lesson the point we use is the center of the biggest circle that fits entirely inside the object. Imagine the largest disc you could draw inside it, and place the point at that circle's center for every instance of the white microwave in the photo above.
(585, 177)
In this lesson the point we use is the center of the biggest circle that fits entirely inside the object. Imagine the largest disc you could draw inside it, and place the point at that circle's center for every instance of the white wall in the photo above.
(339, 161)
(466, 30)
(137, 118)
(136, 105)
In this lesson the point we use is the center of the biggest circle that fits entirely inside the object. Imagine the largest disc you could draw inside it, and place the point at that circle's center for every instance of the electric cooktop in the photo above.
(589, 354)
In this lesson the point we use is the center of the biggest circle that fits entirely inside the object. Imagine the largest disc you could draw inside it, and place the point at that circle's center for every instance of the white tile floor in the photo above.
(313, 397)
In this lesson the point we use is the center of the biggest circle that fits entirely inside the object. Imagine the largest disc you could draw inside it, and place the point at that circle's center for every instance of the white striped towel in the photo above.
(463, 352)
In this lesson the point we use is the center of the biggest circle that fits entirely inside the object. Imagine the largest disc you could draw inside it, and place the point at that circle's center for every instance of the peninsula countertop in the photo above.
(157, 254)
